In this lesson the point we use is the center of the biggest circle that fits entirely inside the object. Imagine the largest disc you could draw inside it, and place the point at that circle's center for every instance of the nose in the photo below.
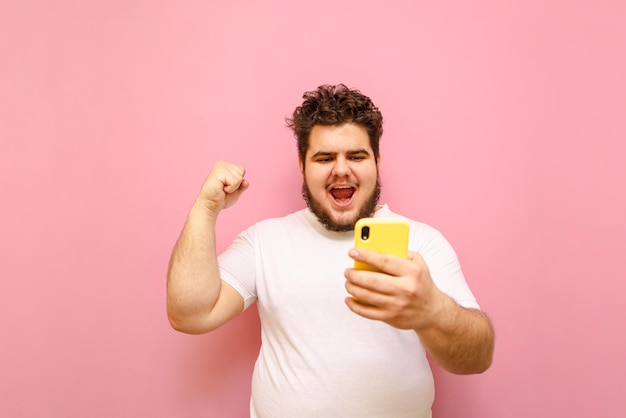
(341, 167)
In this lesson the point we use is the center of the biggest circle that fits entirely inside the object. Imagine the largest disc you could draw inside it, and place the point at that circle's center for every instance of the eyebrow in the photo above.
(332, 154)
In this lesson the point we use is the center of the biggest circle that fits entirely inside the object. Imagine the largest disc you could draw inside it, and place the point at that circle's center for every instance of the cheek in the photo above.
(317, 177)
(368, 176)
(312, 183)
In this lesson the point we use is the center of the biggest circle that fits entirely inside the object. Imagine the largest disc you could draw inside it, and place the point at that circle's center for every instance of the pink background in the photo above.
(505, 129)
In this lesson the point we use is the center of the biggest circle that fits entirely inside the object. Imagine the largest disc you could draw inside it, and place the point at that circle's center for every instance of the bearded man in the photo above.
(336, 341)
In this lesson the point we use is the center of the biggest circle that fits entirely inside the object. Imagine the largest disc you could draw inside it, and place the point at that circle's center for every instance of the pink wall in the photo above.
(504, 128)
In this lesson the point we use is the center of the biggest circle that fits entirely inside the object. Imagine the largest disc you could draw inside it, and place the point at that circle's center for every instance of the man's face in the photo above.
(340, 175)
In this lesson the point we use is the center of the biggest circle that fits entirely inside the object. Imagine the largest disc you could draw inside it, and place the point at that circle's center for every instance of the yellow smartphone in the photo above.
(383, 235)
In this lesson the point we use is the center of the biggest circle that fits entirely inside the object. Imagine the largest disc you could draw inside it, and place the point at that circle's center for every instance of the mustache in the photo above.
(325, 218)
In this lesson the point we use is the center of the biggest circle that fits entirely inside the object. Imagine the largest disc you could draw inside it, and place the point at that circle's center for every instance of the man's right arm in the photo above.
(197, 299)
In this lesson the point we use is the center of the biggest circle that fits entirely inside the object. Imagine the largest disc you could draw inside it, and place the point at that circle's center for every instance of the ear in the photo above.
(301, 165)
(378, 161)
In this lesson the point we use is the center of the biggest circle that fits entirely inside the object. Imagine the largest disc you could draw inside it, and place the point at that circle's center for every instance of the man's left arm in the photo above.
(459, 339)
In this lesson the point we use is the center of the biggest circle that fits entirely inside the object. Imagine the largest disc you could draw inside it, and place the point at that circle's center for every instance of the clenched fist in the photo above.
(222, 187)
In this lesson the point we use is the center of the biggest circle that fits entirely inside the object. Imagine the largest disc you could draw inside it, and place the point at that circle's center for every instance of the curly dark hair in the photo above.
(335, 105)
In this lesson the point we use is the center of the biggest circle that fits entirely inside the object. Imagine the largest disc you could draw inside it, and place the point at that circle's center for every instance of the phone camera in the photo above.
(365, 233)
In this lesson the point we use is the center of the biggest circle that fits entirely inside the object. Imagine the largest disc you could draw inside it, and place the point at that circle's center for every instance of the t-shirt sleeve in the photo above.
(237, 266)
(444, 266)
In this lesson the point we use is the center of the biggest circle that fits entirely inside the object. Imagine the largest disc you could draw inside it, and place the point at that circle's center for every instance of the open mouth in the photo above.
(342, 195)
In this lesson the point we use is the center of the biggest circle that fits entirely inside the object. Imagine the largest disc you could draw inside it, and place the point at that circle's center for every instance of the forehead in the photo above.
(338, 138)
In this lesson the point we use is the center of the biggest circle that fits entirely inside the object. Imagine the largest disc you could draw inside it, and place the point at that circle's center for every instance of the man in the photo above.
(336, 342)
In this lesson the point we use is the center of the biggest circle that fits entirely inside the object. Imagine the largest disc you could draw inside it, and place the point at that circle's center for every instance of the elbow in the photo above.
(186, 324)
(482, 362)
(487, 362)
(488, 350)
(485, 347)
(177, 324)
(478, 366)
(474, 359)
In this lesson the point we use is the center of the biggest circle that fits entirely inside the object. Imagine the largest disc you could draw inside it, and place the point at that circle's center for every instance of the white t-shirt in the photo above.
(318, 358)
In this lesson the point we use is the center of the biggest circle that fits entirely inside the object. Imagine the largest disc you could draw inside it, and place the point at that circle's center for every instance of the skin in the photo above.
(403, 295)
(340, 157)
(198, 301)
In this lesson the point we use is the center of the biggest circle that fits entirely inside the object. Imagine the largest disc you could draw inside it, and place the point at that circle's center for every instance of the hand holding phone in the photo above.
(383, 235)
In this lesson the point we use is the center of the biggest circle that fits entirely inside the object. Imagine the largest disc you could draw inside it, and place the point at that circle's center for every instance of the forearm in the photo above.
(460, 340)
(193, 282)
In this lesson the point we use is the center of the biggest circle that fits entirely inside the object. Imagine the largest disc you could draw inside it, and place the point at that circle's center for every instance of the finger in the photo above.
(368, 296)
(231, 185)
(365, 310)
(243, 186)
(234, 195)
(233, 179)
(387, 263)
(415, 257)
(373, 281)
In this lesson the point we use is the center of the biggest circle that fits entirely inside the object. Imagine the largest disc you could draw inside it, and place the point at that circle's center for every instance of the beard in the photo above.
(324, 216)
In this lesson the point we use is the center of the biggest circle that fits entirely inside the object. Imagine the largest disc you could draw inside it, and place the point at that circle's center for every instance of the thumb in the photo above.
(414, 256)
(232, 197)
(241, 187)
